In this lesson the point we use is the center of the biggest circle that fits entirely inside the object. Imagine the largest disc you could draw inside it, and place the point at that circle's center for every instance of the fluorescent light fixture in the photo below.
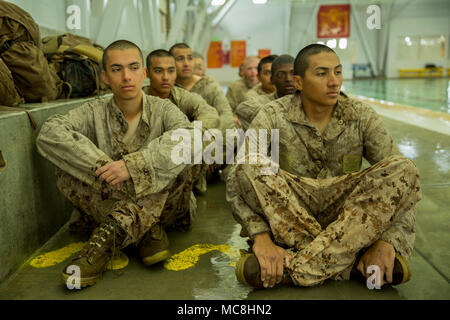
(343, 43)
(331, 43)
(259, 1)
(217, 2)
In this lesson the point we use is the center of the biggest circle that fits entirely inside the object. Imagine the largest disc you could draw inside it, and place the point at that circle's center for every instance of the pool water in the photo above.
(432, 94)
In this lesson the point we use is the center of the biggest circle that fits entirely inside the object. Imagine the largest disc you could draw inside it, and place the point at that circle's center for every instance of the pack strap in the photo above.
(30, 116)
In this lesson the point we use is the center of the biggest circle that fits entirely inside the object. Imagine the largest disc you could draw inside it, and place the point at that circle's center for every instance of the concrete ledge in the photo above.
(31, 208)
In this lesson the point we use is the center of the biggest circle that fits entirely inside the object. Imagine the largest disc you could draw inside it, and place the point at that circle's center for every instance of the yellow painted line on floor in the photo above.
(189, 257)
(180, 261)
(57, 256)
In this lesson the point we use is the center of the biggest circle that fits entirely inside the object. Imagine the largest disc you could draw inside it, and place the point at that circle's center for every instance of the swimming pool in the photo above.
(432, 94)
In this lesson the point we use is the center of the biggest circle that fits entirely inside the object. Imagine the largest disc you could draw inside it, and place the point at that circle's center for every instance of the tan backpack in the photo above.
(21, 51)
(77, 61)
(8, 93)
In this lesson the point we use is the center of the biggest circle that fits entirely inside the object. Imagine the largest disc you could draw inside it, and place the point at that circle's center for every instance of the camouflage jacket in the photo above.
(90, 136)
(236, 93)
(254, 92)
(247, 110)
(194, 107)
(355, 131)
(210, 90)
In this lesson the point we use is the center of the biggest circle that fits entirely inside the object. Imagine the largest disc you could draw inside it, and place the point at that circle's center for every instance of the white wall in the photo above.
(262, 26)
(288, 26)
(265, 26)
(121, 19)
(420, 18)
(284, 26)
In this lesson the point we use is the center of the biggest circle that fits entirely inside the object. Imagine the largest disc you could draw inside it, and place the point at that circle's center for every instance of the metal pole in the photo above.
(176, 29)
(363, 39)
(199, 25)
(113, 12)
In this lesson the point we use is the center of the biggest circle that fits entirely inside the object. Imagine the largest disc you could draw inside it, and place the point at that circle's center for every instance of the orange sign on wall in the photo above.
(238, 52)
(333, 21)
(263, 53)
(215, 54)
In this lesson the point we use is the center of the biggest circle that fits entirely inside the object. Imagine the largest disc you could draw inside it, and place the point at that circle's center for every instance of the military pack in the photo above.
(77, 61)
(21, 51)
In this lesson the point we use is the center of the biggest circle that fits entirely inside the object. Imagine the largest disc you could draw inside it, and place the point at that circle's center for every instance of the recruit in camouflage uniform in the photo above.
(91, 136)
(194, 107)
(236, 93)
(247, 110)
(327, 221)
(254, 92)
(210, 90)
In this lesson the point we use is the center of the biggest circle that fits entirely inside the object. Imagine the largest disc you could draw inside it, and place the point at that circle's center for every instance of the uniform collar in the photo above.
(343, 111)
(119, 117)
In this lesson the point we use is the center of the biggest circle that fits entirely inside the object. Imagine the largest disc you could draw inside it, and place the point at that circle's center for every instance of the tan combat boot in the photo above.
(402, 271)
(400, 274)
(154, 247)
(93, 258)
(248, 272)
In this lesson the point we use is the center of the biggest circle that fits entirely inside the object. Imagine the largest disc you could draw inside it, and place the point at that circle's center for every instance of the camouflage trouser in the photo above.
(327, 222)
(175, 206)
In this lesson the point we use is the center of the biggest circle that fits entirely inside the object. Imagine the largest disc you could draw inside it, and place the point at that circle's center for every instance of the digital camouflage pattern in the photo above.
(247, 110)
(254, 92)
(175, 206)
(194, 107)
(236, 93)
(90, 136)
(318, 203)
(210, 90)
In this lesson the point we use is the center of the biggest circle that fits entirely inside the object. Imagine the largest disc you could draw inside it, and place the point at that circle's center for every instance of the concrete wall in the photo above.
(31, 207)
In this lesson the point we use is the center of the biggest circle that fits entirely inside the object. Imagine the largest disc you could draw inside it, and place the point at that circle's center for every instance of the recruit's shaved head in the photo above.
(281, 60)
(248, 60)
(180, 45)
(265, 60)
(120, 45)
(301, 62)
(159, 53)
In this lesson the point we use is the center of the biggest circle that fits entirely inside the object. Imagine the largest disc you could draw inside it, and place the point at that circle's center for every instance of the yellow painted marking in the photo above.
(189, 257)
(120, 261)
(180, 261)
(57, 256)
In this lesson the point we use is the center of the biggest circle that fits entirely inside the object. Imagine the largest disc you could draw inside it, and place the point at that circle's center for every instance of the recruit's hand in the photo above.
(271, 258)
(114, 173)
(237, 123)
(382, 254)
